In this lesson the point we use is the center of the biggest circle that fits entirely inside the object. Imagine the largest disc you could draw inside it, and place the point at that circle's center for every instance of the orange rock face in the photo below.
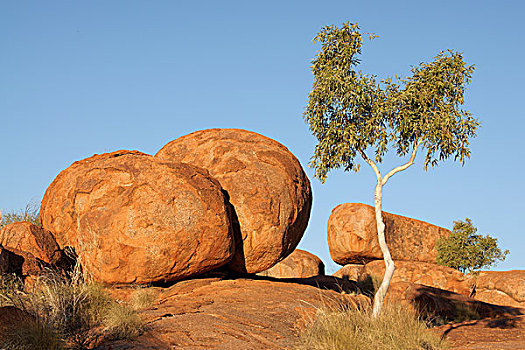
(299, 264)
(266, 184)
(352, 236)
(501, 287)
(134, 218)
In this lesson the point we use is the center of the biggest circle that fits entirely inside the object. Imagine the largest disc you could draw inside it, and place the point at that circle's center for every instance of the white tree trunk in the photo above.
(389, 263)
(378, 197)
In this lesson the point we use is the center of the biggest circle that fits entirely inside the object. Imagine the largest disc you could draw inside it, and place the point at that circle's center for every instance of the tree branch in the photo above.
(372, 164)
(403, 167)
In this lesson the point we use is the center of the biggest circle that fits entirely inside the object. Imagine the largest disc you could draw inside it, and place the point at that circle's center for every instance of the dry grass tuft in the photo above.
(397, 328)
(143, 298)
(123, 322)
(66, 309)
(30, 334)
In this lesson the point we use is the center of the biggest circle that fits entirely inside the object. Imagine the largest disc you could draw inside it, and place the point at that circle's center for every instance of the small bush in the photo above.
(397, 328)
(466, 251)
(122, 322)
(29, 213)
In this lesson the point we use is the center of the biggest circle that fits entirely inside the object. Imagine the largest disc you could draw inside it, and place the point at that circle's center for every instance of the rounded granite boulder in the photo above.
(267, 186)
(133, 218)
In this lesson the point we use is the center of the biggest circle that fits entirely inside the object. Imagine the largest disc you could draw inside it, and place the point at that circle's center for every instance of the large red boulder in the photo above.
(501, 287)
(135, 218)
(266, 184)
(352, 236)
(299, 264)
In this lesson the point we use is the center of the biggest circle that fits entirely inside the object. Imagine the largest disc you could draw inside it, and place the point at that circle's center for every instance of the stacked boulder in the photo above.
(353, 243)
(219, 198)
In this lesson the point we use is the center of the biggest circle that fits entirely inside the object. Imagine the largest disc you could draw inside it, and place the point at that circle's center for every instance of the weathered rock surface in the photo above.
(235, 314)
(501, 287)
(25, 236)
(134, 218)
(299, 264)
(352, 236)
(266, 184)
(449, 306)
(427, 274)
(503, 333)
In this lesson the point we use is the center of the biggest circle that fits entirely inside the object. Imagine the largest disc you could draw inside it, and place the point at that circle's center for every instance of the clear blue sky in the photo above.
(85, 77)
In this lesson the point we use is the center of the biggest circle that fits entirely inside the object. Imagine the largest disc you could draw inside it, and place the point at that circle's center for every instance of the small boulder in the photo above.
(352, 272)
(299, 264)
(352, 236)
(22, 264)
(133, 218)
(267, 187)
(501, 287)
(27, 237)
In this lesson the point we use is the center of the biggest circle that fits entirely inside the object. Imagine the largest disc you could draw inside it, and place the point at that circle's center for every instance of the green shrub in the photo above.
(466, 251)
(396, 328)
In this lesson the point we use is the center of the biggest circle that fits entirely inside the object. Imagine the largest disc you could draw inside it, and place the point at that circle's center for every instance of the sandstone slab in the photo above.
(299, 264)
(267, 187)
(352, 236)
(501, 287)
(133, 218)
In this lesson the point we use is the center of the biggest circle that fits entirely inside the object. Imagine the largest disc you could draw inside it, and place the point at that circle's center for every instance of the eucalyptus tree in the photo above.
(357, 118)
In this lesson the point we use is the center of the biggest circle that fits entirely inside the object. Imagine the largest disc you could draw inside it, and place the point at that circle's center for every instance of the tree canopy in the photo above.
(351, 113)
